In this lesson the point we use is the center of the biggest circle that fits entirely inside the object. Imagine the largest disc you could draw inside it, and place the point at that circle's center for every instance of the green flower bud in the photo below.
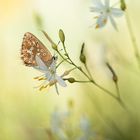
(61, 36)
(54, 46)
(114, 78)
(82, 56)
(123, 5)
(38, 20)
(71, 80)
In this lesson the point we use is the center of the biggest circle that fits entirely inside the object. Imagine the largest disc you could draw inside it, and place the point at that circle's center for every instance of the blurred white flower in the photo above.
(84, 124)
(86, 129)
(105, 12)
(58, 124)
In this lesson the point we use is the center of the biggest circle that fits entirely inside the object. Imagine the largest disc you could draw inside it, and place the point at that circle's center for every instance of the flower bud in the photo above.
(54, 46)
(38, 20)
(83, 59)
(61, 36)
(82, 56)
(71, 80)
(123, 5)
(114, 78)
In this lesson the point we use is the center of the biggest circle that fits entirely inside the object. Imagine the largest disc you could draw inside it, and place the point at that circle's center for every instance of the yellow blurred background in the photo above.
(25, 111)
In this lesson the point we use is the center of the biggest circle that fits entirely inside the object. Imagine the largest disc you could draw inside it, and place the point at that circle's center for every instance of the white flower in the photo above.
(49, 73)
(86, 129)
(105, 12)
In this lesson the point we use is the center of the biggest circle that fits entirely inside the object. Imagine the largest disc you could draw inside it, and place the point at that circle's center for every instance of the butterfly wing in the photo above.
(40, 65)
(32, 47)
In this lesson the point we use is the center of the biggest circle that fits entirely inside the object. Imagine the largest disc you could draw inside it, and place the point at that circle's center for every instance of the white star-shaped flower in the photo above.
(50, 75)
(105, 12)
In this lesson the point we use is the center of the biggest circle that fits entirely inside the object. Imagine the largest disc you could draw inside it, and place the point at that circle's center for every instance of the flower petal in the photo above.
(51, 77)
(107, 2)
(113, 22)
(116, 12)
(41, 65)
(95, 9)
(98, 3)
(60, 81)
(53, 65)
(48, 75)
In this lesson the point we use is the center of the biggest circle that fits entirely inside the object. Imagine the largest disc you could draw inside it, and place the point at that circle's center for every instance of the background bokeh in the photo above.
(25, 111)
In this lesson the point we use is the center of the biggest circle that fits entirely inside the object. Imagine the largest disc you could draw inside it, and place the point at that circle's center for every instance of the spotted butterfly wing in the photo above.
(32, 47)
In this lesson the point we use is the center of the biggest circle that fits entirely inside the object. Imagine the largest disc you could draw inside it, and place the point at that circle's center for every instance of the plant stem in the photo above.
(78, 81)
(133, 39)
(105, 90)
(65, 59)
(117, 89)
(89, 77)
(88, 71)
(79, 68)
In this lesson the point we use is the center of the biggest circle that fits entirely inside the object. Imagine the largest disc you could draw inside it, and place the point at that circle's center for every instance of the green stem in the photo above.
(78, 81)
(105, 90)
(91, 77)
(79, 68)
(61, 63)
(133, 39)
(82, 81)
(63, 57)
(118, 99)
(117, 89)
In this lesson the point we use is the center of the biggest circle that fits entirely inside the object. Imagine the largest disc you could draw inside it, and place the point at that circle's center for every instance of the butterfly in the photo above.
(35, 54)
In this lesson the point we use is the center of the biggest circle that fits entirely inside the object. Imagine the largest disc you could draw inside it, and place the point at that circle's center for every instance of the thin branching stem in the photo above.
(61, 63)
(78, 81)
(63, 57)
(117, 98)
(83, 81)
(90, 76)
(79, 68)
(105, 90)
